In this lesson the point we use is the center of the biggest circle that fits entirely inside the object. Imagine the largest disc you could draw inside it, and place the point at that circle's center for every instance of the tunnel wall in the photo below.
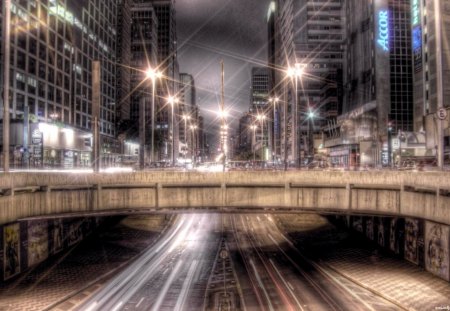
(26, 244)
(423, 243)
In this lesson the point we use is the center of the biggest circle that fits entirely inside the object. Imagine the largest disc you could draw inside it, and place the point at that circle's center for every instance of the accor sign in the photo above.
(383, 30)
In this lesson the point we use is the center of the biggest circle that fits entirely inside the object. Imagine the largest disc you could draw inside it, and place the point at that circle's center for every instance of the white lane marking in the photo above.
(286, 284)
(140, 301)
(166, 286)
(261, 285)
(118, 306)
(186, 285)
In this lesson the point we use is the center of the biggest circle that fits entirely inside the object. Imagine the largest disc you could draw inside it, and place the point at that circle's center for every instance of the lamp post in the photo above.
(172, 101)
(274, 100)
(253, 128)
(185, 118)
(311, 116)
(294, 73)
(152, 74)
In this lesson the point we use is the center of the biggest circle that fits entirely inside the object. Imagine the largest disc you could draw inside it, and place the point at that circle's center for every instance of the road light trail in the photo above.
(186, 285)
(261, 285)
(166, 286)
(288, 286)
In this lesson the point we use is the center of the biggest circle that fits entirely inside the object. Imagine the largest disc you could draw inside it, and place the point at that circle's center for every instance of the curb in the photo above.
(373, 291)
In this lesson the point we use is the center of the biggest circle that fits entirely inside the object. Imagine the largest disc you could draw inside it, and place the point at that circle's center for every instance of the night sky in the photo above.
(211, 30)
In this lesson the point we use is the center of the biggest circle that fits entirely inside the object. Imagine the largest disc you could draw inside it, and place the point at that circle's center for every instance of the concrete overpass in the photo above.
(423, 195)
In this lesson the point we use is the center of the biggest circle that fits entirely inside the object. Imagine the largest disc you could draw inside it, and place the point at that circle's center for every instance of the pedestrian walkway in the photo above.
(63, 275)
(359, 260)
(401, 282)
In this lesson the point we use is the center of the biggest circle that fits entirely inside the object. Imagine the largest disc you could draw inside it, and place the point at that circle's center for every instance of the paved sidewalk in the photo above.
(86, 262)
(399, 281)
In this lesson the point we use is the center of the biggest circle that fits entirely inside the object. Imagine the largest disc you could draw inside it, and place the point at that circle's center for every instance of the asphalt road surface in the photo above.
(229, 262)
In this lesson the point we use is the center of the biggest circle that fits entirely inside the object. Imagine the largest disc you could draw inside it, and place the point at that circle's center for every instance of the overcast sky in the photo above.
(211, 30)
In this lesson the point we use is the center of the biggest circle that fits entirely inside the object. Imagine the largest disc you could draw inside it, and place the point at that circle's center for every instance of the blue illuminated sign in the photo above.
(417, 38)
(383, 30)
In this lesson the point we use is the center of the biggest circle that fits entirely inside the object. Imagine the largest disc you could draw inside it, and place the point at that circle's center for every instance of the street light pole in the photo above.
(439, 82)
(274, 146)
(222, 109)
(6, 67)
(185, 118)
(153, 75)
(295, 73)
(172, 101)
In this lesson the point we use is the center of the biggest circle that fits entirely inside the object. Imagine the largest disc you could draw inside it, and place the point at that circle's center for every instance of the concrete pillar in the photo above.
(349, 188)
(157, 195)
(223, 187)
(287, 194)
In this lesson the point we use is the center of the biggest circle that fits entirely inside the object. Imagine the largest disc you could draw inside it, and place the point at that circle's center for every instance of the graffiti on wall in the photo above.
(11, 249)
(411, 237)
(380, 232)
(436, 249)
(394, 244)
(37, 242)
(57, 235)
(358, 224)
(75, 233)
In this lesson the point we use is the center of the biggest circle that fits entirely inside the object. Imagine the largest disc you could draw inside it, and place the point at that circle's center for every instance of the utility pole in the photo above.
(6, 64)
(439, 84)
(222, 110)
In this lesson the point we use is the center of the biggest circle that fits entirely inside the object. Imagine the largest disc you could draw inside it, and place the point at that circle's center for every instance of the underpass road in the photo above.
(229, 262)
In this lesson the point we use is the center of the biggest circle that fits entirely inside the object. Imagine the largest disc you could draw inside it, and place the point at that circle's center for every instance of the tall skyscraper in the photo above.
(259, 105)
(164, 11)
(51, 63)
(187, 109)
(123, 109)
(431, 68)
(378, 82)
(310, 35)
(144, 53)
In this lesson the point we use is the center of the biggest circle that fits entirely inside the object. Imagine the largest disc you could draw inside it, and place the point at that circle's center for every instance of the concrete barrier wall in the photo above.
(421, 195)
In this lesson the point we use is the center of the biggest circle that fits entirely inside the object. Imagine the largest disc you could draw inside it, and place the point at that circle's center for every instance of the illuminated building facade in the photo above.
(430, 66)
(53, 44)
(378, 83)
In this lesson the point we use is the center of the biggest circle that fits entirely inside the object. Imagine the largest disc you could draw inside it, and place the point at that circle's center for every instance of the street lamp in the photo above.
(274, 100)
(185, 118)
(311, 116)
(53, 116)
(254, 127)
(295, 73)
(172, 101)
(151, 74)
